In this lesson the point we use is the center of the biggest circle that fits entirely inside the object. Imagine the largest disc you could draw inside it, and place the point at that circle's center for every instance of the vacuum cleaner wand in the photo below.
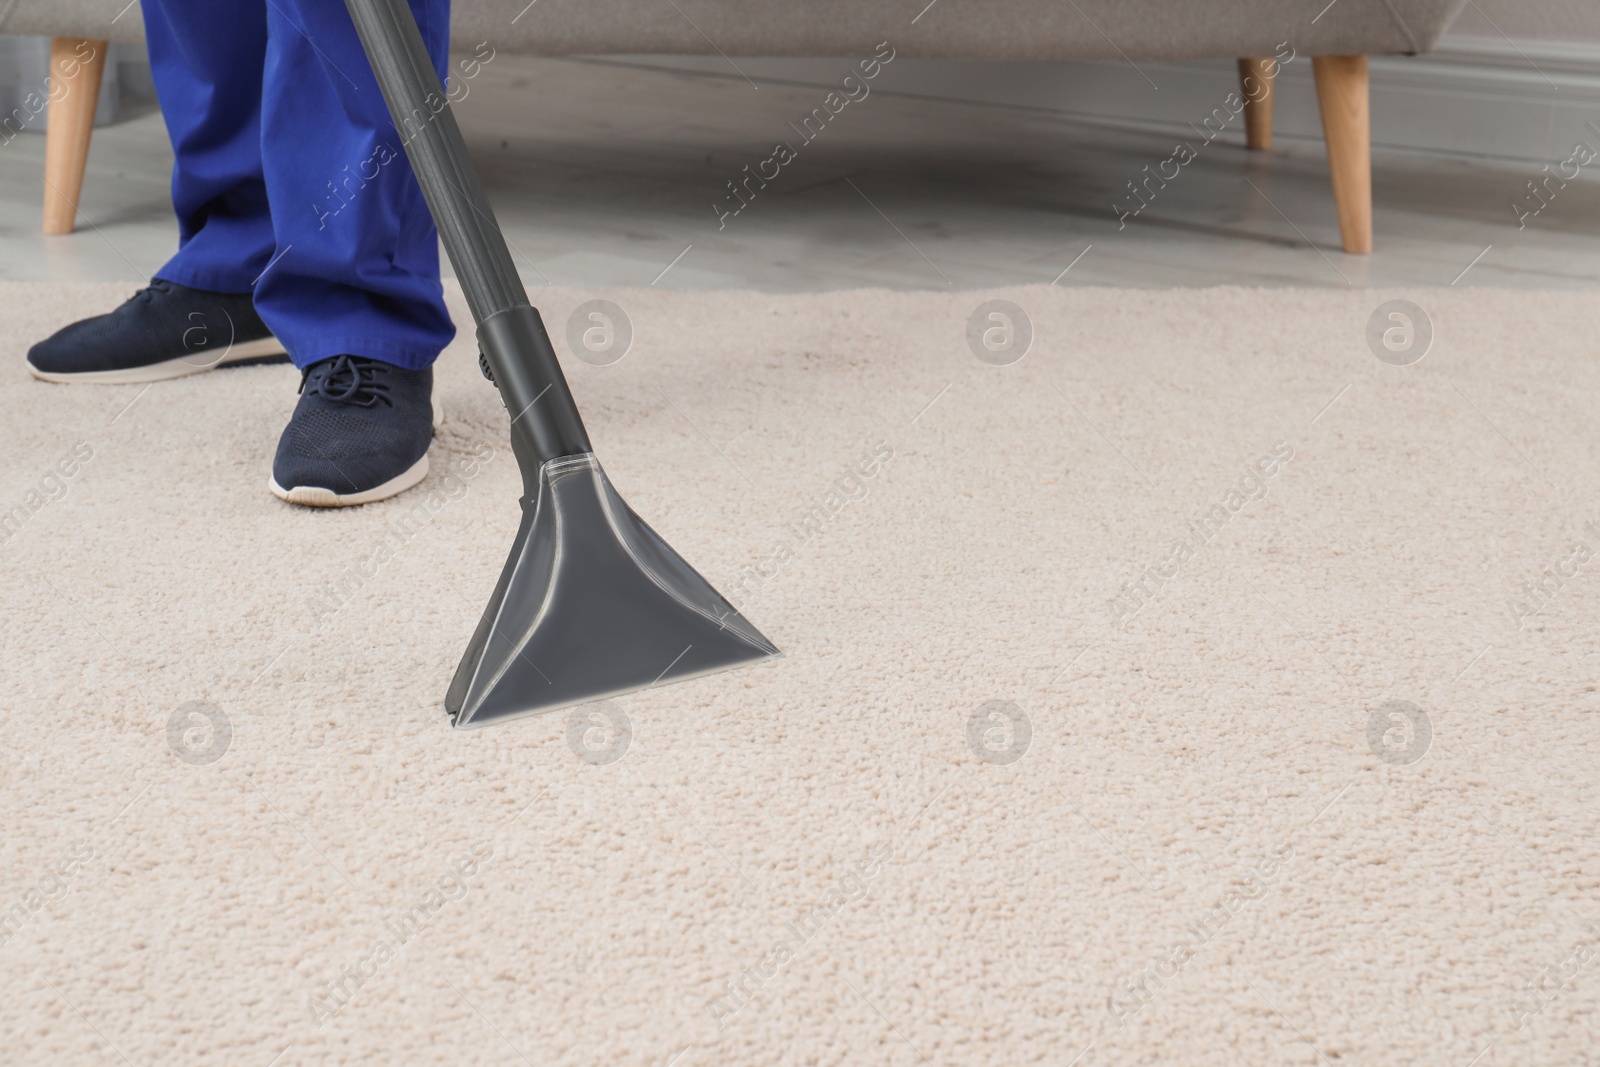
(592, 602)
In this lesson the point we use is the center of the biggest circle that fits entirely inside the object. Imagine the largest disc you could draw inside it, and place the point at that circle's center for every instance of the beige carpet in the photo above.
(1323, 792)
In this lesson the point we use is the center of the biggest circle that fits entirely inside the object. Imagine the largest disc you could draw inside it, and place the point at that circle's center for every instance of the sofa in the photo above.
(1338, 36)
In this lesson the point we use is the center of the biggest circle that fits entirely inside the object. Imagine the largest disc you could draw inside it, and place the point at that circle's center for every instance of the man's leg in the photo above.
(357, 267)
(206, 57)
(353, 289)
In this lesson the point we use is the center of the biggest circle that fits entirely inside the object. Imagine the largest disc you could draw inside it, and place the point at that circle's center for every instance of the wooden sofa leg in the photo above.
(1346, 126)
(76, 65)
(1255, 85)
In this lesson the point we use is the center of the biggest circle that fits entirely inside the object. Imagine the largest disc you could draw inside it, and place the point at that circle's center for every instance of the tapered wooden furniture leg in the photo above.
(1255, 85)
(76, 65)
(1347, 128)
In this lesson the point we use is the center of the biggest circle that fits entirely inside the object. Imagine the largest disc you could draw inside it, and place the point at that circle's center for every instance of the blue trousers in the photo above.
(290, 180)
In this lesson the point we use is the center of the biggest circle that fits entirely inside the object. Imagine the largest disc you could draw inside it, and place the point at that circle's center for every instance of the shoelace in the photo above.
(348, 380)
(157, 285)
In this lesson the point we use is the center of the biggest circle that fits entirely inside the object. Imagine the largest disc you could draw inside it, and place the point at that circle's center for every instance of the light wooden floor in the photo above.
(604, 172)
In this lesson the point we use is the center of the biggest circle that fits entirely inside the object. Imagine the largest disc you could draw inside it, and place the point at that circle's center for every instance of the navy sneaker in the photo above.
(360, 433)
(165, 330)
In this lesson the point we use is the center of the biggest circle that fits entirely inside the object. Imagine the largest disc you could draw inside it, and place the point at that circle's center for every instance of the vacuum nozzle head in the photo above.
(592, 603)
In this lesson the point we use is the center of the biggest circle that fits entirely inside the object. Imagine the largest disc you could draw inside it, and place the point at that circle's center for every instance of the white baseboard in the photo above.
(1523, 100)
(1481, 97)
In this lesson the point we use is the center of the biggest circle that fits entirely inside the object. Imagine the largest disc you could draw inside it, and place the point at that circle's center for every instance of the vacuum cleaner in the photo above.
(592, 603)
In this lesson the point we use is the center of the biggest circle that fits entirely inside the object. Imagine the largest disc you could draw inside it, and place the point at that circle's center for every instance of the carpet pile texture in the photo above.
(1199, 688)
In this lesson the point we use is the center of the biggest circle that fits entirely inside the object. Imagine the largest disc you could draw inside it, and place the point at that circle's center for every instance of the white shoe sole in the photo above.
(313, 496)
(168, 369)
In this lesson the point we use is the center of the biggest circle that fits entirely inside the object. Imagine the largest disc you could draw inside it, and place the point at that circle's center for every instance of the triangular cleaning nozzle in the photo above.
(592, 603)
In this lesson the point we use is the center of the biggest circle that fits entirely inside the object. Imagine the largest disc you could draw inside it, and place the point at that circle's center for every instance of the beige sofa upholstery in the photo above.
(991, 29)
(1338, 35)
